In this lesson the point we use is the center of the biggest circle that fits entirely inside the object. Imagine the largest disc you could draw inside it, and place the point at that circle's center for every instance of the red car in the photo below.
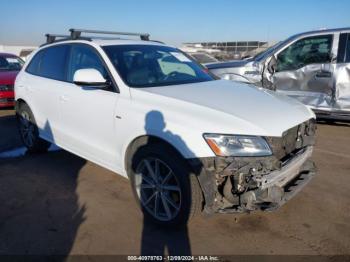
(10, 65)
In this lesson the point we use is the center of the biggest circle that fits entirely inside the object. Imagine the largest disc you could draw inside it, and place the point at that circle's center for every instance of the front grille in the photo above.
(6, 87)
(293, 139)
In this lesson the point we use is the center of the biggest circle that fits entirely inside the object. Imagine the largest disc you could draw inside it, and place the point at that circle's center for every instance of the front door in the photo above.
(342, 74)
(87, 114)
(304, 70)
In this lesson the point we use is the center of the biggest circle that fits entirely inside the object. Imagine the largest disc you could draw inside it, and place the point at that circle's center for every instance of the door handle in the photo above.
(64, 98)
(323, 74)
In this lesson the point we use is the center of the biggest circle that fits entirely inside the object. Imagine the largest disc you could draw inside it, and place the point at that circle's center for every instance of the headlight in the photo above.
(237, 145)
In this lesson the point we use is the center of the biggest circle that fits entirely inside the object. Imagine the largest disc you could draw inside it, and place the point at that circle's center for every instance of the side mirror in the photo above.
(89, 77)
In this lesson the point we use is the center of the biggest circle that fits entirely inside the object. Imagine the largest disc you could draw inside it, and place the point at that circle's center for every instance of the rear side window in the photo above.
(344, 49)
(33, 67)
(53, 63)
(50, 63)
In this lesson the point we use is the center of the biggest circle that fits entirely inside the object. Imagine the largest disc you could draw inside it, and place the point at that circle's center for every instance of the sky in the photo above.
(24, 22)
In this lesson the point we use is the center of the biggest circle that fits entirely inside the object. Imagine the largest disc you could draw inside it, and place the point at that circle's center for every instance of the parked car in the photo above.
(25, 53)
(313, 67)
(10, 65)
(187, 141)
(203, 58)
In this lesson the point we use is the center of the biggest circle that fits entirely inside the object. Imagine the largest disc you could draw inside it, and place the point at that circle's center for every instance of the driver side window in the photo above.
(310, 50)
(84, 57)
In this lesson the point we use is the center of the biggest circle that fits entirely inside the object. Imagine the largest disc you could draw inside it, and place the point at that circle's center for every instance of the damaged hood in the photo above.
(225, 107)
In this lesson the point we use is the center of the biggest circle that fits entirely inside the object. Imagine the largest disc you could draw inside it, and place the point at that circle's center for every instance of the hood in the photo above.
(227, 107)
(237, 63)
(8, 77)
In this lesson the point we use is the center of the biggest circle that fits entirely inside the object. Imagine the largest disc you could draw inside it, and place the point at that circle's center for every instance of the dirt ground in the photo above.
(57, 203)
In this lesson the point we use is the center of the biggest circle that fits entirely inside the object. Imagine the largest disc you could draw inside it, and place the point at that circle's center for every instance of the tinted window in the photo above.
(347, 50)
(53, 62)
(311, 50)
(33, 66)
(85, 57)
(10, 63)
(150, 65)
(342, 46)
(344, 49)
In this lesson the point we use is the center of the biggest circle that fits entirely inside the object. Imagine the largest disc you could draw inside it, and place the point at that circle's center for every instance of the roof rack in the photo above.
(50, 38)
(76, 33)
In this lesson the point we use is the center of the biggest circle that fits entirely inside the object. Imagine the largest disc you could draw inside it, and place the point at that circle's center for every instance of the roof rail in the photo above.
(76, 33)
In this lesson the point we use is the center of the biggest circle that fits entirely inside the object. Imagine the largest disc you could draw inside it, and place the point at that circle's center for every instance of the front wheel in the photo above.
(29, 131)
(165, 188)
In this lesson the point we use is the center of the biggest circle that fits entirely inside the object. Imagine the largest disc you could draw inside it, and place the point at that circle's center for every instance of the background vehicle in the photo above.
(10, 65)
(187, 141)
(312, 67)
(203, 58)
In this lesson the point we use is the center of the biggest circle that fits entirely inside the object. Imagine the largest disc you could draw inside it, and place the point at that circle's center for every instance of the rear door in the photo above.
(87, 114)
(45, 79)
(342, 74)
(303, 70)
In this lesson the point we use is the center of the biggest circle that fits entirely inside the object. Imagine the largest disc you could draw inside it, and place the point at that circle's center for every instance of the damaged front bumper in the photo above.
(244, 184)
(279, 186)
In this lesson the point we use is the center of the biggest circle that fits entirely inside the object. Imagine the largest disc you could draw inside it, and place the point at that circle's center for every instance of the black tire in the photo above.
(29, 131)
(190, 196)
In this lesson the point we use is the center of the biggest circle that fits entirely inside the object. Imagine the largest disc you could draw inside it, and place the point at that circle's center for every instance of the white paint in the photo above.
(99, 125)
(88, 76)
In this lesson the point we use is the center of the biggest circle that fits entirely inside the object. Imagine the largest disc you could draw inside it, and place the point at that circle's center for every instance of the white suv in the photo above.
(187, 141)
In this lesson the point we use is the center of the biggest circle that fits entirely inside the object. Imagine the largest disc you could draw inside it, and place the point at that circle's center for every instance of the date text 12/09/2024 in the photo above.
(173, 258)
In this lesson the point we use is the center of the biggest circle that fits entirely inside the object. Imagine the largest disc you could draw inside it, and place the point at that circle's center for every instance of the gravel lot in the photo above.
(57, 203)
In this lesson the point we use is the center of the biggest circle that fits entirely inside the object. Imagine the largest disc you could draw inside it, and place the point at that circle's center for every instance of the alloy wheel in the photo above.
(158, 189)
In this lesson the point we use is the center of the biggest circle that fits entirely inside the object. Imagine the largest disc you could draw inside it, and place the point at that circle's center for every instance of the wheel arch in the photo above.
(141, 141)
(148, 139)
(19, 102)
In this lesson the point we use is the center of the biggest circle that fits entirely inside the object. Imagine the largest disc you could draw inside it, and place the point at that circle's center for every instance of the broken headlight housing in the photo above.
(238, 145)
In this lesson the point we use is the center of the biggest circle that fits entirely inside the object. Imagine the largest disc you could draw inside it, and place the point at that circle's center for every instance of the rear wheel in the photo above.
(29, 131)
(165, 188)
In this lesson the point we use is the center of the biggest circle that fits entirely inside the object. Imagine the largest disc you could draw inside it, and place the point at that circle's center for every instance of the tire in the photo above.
(177, 187)
(29, 131)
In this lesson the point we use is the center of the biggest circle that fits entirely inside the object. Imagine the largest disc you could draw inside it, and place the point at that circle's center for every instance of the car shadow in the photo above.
(39, 213)
(157, 239)
(9, 135)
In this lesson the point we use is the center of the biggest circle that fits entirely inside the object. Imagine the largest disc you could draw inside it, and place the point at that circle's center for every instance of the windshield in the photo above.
(266, 52)
(150, 65)
(10, 63)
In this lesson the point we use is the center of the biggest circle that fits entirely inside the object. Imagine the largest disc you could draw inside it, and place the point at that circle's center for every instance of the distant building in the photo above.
(227, 50)
(21, 51)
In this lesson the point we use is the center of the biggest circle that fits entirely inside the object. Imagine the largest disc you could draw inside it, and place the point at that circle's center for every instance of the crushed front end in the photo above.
(243, 184)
